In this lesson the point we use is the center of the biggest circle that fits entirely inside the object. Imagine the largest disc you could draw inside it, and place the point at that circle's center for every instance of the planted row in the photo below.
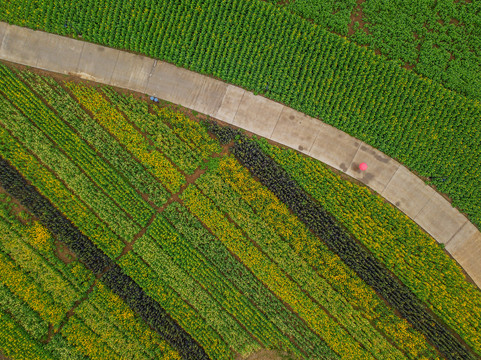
(245, 281)
(126, 134)
(157, 131)
(185, 315)
(99, 263)
(115, 331)
(317, 318)
(65, 201)
(430, 129)
(152, 313)
(197, 294)
(67, 140)
(103, 326)
(16, 342)
(326, 263)
(294, 266)
(355, 256)
(191, 132)
(399, 243)
(67, 171)
(92, 132)
(231, 301)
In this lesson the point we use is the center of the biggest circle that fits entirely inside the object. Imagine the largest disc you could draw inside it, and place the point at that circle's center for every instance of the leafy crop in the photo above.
(355, 256)
(185, 158)
(326, 263)
(432, 130)
(406, 250)
(129, 136)
(243, 279)
(221, 268)
(121, 284)
(438, 40)
(119, 159)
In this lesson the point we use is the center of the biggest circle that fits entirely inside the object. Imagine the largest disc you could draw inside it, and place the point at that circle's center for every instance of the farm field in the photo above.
(428, 122)
(132, 230)
(440, 40)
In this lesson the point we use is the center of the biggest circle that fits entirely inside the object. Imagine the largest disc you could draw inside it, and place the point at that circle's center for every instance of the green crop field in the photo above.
(429, 122)
(130, 230)
(437, 39)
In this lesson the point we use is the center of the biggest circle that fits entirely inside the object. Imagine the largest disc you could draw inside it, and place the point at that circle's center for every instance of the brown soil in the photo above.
(265, 354)
(357, 15)
(63, 252)
(17, 207)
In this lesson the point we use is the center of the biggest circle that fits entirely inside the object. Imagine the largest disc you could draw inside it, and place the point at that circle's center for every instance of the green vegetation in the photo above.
(437, 39)
(406, 250)
(188, 255)
(38, 289)
(432, 130)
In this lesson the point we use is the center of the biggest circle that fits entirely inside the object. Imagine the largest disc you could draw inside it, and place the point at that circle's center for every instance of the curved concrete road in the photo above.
(256, 114)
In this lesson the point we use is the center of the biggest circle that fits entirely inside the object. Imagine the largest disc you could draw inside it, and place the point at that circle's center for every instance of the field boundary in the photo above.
(238, 107)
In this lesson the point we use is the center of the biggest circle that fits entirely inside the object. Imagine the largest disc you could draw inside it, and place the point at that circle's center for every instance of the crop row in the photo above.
(251, 287)
(45, 291)
(157, 131)
(417, 260)
(30, 261)
(328, 265)
(49, 216)
(65, 170)
(107, 147)
(192, 323)
(57, 192)
(129, 324)
(114, 331)
(25, 287)
(152, 313)
(191, 132)
(107, 333)
(77, 333)
(23, 323)
(80, 153)
(195, 294)
(355, 256)
(16, 342)
(40, 243)
(97, 261)
(25, 316)
(272, 276)
(267, 49)
(103, 326)
(28, 279)
(296, 267)
(435, 40)
(134, 141)
(228, 297)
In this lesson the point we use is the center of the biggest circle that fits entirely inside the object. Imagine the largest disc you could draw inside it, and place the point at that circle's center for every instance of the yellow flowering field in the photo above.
(133, 230)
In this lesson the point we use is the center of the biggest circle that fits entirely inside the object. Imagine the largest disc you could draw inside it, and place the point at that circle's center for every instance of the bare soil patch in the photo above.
(265, 354)
(357, 15)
